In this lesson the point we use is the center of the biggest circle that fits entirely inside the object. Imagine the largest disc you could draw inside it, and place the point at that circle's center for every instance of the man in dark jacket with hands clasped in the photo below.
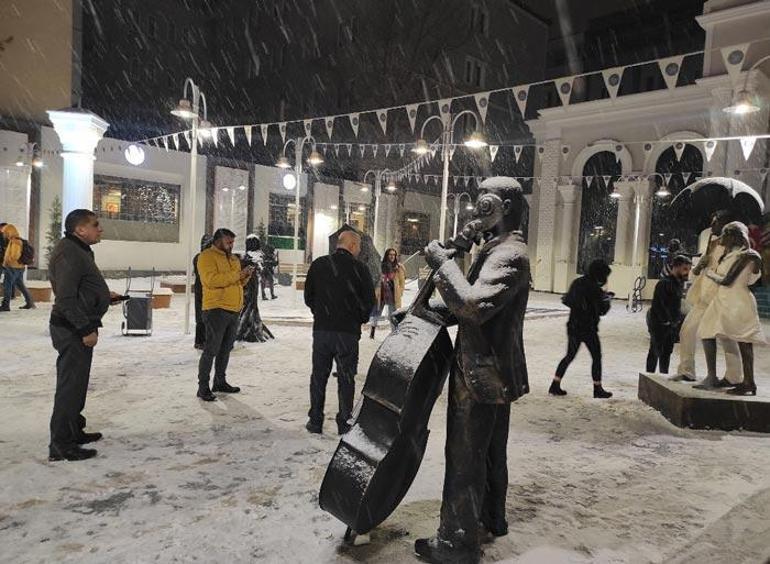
(340, 293)
(82, 298)
(664, 318)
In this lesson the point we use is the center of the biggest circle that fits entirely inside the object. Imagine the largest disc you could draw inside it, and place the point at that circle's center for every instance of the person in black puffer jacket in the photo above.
(587, 302)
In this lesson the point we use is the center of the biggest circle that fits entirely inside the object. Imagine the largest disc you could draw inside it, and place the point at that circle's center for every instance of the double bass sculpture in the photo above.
(377, 460)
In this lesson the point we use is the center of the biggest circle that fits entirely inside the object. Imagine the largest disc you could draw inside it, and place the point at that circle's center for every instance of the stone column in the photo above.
(642, 219)
(563, 271)
(624, 222)
(546, 216)
(79, 132)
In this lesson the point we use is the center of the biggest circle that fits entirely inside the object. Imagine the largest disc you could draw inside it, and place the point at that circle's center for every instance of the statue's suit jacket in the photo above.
(489, 306)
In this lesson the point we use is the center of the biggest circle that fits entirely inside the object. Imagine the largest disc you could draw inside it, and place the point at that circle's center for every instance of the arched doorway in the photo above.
(598, 212)
(663, 226)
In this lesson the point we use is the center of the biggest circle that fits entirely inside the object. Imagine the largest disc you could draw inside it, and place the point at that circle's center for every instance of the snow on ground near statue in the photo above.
(237, 480)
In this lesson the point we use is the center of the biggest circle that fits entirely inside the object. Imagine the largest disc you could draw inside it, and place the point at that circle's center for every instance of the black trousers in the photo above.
(661, 346)
(594, 346)
(221, 328)
(73, 370)
(341, 348)
(476, 476)
(200, 326)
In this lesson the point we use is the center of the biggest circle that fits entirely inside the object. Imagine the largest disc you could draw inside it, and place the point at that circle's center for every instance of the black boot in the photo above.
(555, 389)
(264, 296)
(205, 394)
(313, 428)
(601, 393)
(86, 438)
(5, 306)
(28, 305)
(226, 388)
(72, 454)
(439, 551)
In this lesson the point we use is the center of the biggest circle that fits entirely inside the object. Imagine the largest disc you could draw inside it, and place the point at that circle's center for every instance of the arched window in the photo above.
(663, 226)
(598, 212)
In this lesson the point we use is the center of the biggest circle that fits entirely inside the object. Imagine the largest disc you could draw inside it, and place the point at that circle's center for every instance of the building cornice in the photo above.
(732, 14)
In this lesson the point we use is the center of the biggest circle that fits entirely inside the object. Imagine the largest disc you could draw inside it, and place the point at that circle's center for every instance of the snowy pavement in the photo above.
(178, 480)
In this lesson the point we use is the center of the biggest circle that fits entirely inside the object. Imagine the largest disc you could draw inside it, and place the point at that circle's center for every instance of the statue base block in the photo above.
(688, 407)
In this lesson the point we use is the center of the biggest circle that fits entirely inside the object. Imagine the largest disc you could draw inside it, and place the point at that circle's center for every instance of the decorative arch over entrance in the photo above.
(601, 146)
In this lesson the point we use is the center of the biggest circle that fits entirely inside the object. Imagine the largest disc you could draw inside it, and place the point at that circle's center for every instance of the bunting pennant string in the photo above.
(482, 104)
(517, 149)
(263, 128)
(354, 121)
(747, 146)
(733, 58)
(521, 94)
(248, 132)
(231, 135)
(493, 152)
(678, 150)
(282, 129)
(175, 139)
(382, 117)
(329, 126)
(708, 149)
(564, 88)
(612, 78)
(670, 68)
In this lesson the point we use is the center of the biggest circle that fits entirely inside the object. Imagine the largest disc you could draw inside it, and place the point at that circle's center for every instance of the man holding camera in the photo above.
(222, 279)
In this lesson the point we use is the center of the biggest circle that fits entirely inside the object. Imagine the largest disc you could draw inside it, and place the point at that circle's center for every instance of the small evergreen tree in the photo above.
(54, 228)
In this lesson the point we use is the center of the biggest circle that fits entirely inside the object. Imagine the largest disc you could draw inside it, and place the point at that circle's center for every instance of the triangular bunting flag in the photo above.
(763, 174)
(493, 152)
(248, 131)
(459, 181)
(517, 149)
(521, 94)
(540, 151)
(282, 129)
(323, 148)
(589, 181)
(482, 103)
(362, 148)
(401, 149)
(678, 150)
(187, 138)
(667, 178)
(607, 178)
(387, 150)
(747, 145)
(354, 123)
(411, 113)
(308, 126)
(374, 150)
(452, 152)
(647, 151)
(564, 88)
(336, 150)
(263, 129)
(165, 143)
(708, 149)
(215, 136)
(612, 78)
(445, 110)
(175, 139)
(618, 152)
(686, 177)
(231, 135)
(329, 126)
(349, 147)
(564, 152)
(734, 57)
(670, 68)
(382, 117)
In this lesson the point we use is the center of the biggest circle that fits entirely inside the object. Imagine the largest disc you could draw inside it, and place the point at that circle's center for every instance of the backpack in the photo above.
(27, 253)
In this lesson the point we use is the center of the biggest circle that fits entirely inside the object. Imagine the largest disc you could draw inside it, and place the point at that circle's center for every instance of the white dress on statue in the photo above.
(732, 313)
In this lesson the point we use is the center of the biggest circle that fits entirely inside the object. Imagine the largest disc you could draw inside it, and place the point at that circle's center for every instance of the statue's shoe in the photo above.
(438, 551)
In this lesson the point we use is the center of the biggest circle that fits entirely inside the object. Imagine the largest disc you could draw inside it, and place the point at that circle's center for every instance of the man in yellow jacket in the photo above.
(13, 268)
(222, 279)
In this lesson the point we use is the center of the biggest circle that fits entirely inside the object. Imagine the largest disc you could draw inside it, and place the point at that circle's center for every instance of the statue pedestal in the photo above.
(685, 406)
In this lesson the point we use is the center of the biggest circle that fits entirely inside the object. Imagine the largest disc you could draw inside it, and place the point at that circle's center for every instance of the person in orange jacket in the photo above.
(13, 268)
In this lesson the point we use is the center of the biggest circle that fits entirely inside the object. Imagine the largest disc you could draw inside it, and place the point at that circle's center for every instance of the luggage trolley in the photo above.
(137, 310)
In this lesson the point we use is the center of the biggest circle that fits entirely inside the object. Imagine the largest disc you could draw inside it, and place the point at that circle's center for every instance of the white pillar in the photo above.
(564, 266)
(79, 132)
(624, 222)
(642, 220)
(546, 216)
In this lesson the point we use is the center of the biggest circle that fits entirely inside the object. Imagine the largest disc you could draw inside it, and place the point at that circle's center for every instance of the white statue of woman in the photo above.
(732, 314)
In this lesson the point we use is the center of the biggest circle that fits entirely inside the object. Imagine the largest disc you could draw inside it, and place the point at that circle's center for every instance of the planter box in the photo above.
(161, 298)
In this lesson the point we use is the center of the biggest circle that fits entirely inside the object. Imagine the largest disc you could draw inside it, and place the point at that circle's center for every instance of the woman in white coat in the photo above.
(732, 314)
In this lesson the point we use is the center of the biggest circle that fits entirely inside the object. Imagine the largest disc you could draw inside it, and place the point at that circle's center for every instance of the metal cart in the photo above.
(137, 311)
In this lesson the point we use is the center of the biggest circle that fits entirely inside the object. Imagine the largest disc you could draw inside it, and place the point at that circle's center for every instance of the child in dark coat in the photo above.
(587, 302)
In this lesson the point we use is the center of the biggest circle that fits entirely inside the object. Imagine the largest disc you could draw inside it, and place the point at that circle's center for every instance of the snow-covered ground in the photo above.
(237, 480)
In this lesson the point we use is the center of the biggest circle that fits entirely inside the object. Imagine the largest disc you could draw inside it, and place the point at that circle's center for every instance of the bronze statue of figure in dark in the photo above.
(489, 370)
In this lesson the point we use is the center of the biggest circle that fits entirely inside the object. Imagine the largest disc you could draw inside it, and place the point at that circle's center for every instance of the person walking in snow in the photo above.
(339, 292)
(14, 265)
(587, 303)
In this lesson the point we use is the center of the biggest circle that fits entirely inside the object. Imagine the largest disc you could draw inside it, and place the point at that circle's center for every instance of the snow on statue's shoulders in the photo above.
(500, 182)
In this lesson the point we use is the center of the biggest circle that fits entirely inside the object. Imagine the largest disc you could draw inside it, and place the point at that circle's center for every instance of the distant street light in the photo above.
(743, 103)
(475, 141)
(188, 109)
(457, 201)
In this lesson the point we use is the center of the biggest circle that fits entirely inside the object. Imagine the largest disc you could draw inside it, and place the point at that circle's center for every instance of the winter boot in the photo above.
(205, 394)
(225, 388)
(440, 551)
(601, 393)
(555, 389)
(28, 305)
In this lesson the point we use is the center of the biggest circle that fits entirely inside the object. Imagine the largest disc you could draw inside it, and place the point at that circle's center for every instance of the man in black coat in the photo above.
(339, 292)
(81, 299)
(489, 371)
(664, 318)
(200, 326)
(587, 302)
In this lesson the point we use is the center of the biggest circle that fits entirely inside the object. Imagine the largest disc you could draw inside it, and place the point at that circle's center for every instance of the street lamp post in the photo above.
(314, 159)
(458, 198)
(188, 109)
(378, 174)
(475, 141)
